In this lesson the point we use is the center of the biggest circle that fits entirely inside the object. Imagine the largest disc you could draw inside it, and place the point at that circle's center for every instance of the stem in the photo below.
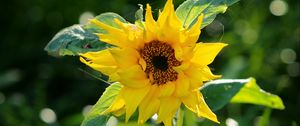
(180, 117)
(264, 120)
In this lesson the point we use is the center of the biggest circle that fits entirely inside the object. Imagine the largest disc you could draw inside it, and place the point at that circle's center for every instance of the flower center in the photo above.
(160, 60)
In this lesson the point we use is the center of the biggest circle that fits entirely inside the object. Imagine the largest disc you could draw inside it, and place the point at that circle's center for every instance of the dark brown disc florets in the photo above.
(160, 60)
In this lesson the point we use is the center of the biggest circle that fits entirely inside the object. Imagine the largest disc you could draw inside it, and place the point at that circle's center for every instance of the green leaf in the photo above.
(218, 93)
(72, 41)
(93, 118)
(252, 93)
(78, 39)
(139, 13)
(139, 16)
(133, 124)
(189, 10)
(190, 118)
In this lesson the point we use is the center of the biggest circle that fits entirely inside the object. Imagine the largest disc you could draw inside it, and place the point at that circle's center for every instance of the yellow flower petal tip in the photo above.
(160, 66)
(224, 44)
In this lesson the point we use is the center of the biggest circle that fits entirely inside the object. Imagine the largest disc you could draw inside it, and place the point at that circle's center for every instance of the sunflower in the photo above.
(159, 64)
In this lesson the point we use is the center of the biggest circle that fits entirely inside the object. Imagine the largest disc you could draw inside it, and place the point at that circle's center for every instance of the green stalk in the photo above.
(264, 120)
(180, 116)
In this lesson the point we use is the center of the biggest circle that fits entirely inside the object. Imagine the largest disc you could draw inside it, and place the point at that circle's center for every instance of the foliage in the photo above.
(78, 39)
(94, 117)
(217, 93)
(30, 80)
(189, 10)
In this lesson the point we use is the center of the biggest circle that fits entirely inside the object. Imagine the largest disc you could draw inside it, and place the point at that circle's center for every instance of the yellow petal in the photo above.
(119, 112)
(116, 105)
(101, 61)
(178, 51)
(169, 25)
(113, 33)
(133, 77)
(113, 77)
(182, 67)
(195, 102)
(133, 32)
(165, 13)
(187, 51)
(205, 110)
(106, 27)
(125, 57)
(208, 75)
(168, 15)
(197, 74)
(151, 26)
(120, 23)
(107, 70)
(205, 53)
(194, 74)
(111, 39)
(191, 101)
(168, 107)
(169, 33)
(195, 30)
(182, 85)
(166, 89)
(149, 106)
(133, 97)
(102, 57)
(168, 121)
(142, 63)
(195, 84)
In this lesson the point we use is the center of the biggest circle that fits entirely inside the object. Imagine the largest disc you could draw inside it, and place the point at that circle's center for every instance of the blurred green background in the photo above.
(37, 89)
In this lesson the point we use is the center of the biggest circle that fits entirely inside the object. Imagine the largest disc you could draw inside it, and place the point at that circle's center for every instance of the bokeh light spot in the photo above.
(48, 115)
(240, 26)
(17, 99)
(231, 122)
(2, 98)
(283, 82)
(154, 117)
(278, 7)
(293, 69)
(85, 16)
(216, 28)
(249, 36)
(10, 77)
(112, 121)
(86, 109)
(288, 56)
(243, 28)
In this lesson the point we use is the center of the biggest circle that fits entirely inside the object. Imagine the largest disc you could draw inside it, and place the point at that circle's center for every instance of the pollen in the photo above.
(160, 60)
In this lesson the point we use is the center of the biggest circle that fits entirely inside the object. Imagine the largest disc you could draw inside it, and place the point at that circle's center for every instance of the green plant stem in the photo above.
(264, 120)
(180, 117)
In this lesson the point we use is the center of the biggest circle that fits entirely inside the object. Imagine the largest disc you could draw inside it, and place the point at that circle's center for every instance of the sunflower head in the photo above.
(159, 63)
